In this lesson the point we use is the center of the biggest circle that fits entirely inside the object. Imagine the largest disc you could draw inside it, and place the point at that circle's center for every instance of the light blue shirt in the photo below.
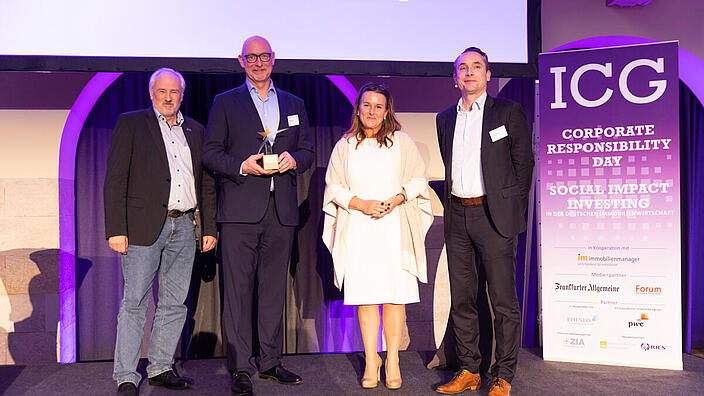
(182, 193)
(268, 108)
(467, 180)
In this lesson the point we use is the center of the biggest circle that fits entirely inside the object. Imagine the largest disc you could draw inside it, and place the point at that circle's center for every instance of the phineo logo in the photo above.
(650, 347)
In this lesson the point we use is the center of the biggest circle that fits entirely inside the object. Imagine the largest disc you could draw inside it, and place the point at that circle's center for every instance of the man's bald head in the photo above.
(257, 60)
(254, 41)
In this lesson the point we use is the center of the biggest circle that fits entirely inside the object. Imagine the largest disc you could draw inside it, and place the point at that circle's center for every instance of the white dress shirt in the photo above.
(182, 194)
(467, 180)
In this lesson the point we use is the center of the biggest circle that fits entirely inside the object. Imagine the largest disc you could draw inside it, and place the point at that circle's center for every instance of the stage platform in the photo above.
(339, 374)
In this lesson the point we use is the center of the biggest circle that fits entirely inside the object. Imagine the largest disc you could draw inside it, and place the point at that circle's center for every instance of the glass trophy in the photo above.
(270, 160)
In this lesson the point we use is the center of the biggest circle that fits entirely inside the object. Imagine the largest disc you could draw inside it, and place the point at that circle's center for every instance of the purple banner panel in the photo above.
(610, 206)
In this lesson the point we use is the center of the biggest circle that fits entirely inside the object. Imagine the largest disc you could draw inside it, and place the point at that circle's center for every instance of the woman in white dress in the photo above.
(377, 212)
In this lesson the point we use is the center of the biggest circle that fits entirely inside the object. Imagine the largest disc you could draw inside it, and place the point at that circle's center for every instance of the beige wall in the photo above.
(29, 240)
(30, 143)
(421, 128)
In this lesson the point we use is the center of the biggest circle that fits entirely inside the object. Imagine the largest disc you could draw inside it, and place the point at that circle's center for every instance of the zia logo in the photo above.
(574, 341)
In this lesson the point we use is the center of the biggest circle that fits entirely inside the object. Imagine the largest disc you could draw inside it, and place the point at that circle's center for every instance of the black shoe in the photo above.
(170, 380)
(241, 384)
(281, 375)
(127, 389)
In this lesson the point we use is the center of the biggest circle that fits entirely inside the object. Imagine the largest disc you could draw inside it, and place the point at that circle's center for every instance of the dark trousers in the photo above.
(472, 233)
(254, 252)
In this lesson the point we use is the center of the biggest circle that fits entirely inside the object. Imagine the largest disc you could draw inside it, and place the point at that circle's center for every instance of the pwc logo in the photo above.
(649, 290)
(640, 322)
(650, 347)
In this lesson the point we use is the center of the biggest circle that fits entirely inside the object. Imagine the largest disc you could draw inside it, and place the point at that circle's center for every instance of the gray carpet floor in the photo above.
(339, 374)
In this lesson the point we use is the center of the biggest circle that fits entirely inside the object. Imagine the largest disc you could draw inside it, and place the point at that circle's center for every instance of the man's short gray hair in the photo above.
(159, 72)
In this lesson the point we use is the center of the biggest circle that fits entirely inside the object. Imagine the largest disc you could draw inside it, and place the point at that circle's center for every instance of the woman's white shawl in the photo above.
(416, 214)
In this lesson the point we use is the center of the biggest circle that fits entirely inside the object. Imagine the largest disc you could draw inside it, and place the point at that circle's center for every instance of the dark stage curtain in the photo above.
(692, 191)
(522, 90)
(99, 288)
(98, 274)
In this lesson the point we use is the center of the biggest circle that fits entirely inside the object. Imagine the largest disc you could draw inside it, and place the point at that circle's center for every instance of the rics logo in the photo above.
(650, 347)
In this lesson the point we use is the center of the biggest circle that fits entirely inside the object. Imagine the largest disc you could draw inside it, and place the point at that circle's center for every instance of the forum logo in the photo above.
(650, 290)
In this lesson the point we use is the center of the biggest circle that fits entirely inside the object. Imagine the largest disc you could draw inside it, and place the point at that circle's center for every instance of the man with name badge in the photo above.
(155, 186)
(257, 141)
(486, 146)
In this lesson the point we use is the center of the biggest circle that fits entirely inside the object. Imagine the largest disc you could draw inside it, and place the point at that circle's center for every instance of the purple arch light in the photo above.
(345, 86)
(67, 214)
(82, 106)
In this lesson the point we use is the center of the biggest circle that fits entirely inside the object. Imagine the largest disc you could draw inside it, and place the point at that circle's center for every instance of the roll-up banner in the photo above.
(609, 201)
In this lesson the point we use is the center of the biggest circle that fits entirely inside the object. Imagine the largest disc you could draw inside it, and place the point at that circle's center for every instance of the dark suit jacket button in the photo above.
(164, 205)
(168, 180)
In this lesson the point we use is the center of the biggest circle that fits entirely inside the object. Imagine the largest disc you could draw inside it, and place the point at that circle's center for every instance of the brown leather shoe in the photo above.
(461, 382)
(499, 387)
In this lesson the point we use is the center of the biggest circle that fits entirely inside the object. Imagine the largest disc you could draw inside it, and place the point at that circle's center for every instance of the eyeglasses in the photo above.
(252, 58)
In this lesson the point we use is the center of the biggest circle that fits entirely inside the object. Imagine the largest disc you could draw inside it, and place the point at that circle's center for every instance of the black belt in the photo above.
(178, 213)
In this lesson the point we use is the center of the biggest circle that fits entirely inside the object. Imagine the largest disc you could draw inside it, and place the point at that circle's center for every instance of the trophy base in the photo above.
(270, 161)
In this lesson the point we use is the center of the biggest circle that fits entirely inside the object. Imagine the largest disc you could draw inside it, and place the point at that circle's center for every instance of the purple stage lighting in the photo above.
(67, 212)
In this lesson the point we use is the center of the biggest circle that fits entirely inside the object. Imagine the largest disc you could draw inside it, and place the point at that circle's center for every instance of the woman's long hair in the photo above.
(388, 126)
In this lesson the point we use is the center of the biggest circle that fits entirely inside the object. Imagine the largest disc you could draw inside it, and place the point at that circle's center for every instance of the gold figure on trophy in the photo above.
(270, 160)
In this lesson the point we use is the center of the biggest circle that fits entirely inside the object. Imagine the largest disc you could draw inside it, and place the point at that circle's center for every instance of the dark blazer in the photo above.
(231, 137)
(507, 164)
(137, 181)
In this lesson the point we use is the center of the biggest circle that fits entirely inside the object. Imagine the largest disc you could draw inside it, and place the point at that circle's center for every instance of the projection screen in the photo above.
(394, 37)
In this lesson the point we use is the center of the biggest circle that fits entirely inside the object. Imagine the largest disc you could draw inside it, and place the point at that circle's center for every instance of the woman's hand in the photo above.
(391, 203)
(368, 206)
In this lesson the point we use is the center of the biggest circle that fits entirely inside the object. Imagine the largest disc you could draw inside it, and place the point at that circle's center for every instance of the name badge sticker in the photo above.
(293, 120)
(498, 133)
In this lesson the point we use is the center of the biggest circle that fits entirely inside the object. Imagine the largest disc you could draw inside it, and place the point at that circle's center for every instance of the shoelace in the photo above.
(497, 382)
